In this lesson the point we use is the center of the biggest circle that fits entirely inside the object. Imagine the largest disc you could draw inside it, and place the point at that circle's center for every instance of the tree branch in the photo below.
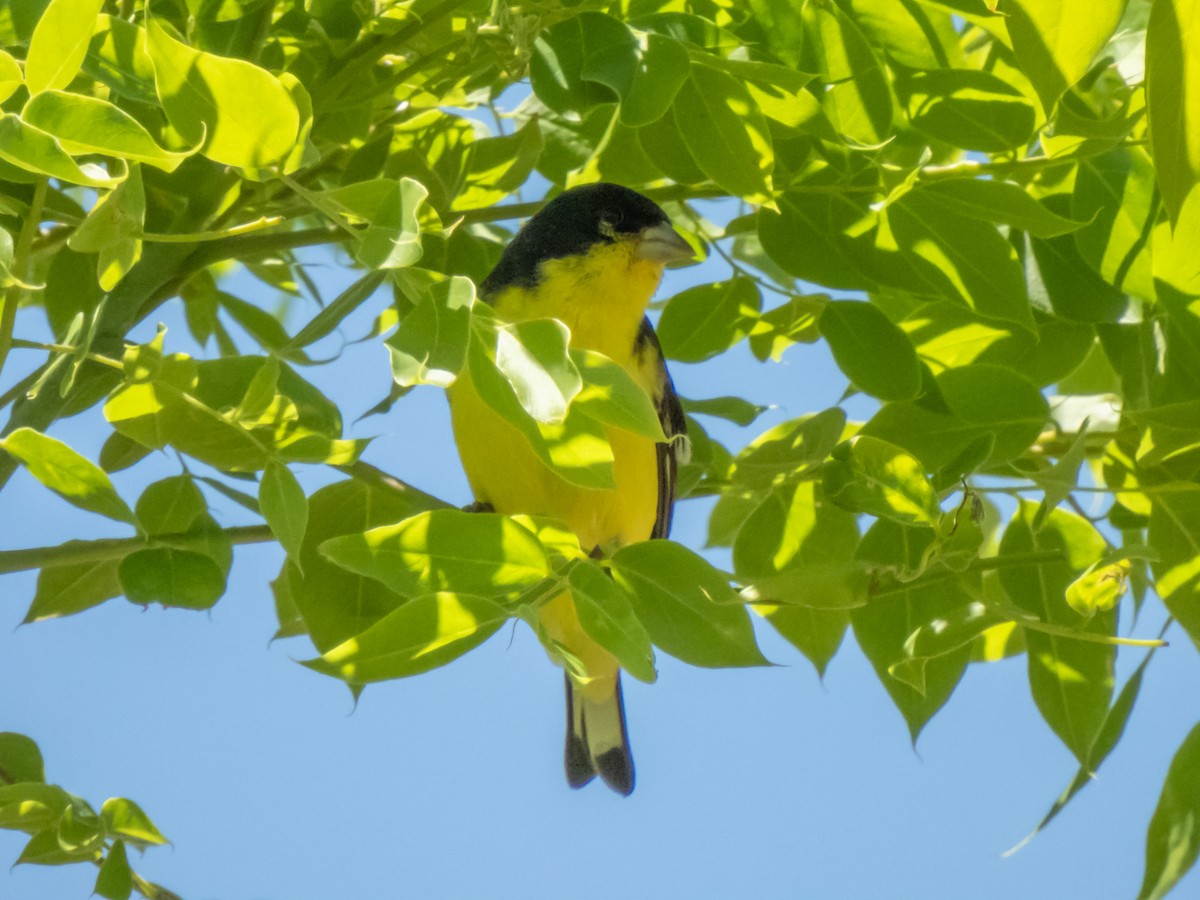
(77, 552)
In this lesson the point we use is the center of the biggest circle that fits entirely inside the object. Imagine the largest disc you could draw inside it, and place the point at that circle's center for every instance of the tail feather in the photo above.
(597, 740)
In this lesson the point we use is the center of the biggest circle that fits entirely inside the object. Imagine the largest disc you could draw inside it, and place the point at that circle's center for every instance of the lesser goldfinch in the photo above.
(591, 258)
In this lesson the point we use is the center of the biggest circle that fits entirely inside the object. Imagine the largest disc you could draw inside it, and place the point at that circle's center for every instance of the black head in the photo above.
(571, 224)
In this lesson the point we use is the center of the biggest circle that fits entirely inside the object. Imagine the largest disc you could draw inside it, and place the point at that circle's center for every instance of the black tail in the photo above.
(597, 742)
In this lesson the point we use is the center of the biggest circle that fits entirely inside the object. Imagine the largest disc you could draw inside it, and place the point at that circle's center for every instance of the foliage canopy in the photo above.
(1002, 195)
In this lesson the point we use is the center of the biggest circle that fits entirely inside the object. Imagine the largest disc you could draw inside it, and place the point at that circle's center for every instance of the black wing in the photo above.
(674, 426)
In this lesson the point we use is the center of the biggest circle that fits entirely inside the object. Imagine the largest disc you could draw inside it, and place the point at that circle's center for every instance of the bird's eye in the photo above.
(609, 220)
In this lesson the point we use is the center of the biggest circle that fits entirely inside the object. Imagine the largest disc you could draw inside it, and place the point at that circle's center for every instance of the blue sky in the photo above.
(757, 783)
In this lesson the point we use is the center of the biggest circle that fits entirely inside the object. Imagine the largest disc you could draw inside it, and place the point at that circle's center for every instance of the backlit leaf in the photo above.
(425, 633)
(1172, 840)
(444, 550)
(73, 477)
(87, 125)
(1071, 681)
(686, 606)
(239, 113)
(868, 475)
(725, 132)
(1173, 98)
(59, 43)
(35, 151)
(606, 613)
(284, 506)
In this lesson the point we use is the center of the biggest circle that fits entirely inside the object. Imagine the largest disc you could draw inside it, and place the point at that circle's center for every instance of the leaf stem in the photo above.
(22, 344)
(21, 260)
(202, 236)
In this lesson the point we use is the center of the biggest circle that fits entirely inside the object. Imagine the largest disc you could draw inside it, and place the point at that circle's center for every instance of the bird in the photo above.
(592, 258)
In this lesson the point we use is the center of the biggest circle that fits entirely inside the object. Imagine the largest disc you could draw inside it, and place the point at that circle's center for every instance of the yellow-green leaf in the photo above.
(239, 113)
(59, 43)
(73, 477)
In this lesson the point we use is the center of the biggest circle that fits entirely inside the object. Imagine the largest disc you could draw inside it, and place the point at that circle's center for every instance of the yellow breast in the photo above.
(601, 297)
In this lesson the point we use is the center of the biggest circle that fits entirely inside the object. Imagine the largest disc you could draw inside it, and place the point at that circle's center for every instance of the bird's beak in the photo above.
(663, 244)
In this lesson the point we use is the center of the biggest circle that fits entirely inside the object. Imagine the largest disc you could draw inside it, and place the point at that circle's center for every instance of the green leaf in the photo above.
(76, 479)
(329, 318)
(559, 53)
(32, 806)
(960, 258)
(532, 356)
(113, 228)
(117, 58)
(59, 43)
(648, 79)
(737, 410)
(115, 879)
(1174, 263)
(35, 151)
(87, 125)
(915, 35)
(120, 452)
(789, 449)
(1116, 191)
(218, 412)
(686, 606)
(606, 613)
(968, 108)
(726, 133)
(20, 759)
(1003, 202)
(172, 577)
(797, 548)
(874, 354)
(336, 604)
(70, 589)
(793, 322)
(1056, 40)
(708, 319)
(1110, 733)
(284, 506)
(1071, 680)
(868, 475)
(391, 239)
(500, 165)
(823, 238)
(1175, 534)
(430, 345)
(884, 625)
(982, 403)
(817, 633)
(426, 632)
(44, 849)
(1173, 98)
(663, 144)
(238, 113)
(858, 100)
(125, 819)
(1073, 287)
(612, 396)
(1172, 840)
(577, 449)
(445, 550)
(10, 76)
(1061, 478)
(170, 506)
